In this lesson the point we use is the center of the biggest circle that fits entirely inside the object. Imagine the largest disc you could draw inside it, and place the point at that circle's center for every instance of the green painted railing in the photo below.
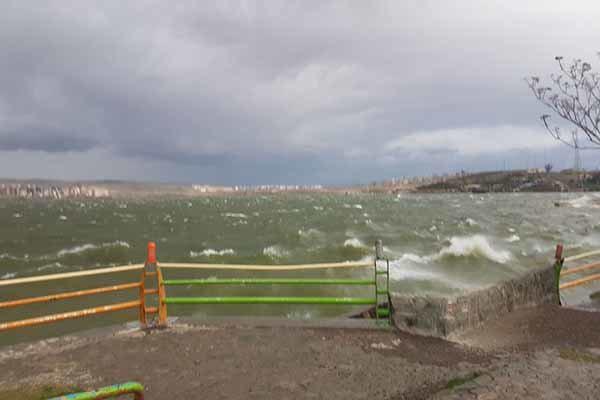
(272, 300)
(379, 281)
(269, 281)
(134, 388)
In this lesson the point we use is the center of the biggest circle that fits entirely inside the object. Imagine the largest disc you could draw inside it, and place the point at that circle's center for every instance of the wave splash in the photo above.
(275, 252)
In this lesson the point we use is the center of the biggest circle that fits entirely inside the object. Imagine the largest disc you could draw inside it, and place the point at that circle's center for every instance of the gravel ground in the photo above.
(526, 355)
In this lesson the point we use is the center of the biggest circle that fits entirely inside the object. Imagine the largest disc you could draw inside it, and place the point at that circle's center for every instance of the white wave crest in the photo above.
(309, 233)
(211, 252)
(354, 242)
(8, 257)
(513, 238)
(275, 251)
(476, 245)
(54, 265)
(8, 275)
(89, 246)
(235, 215)
(471, 222)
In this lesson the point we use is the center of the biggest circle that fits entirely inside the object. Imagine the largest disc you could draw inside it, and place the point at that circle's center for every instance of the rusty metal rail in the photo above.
(69, 315)
(574, 270)
(139, 303)
(69, 295)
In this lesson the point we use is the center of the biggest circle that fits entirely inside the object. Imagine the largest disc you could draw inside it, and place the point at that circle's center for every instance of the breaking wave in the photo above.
(410, 266)
(8, 275)
(354, 242)
(211, 252)
(476, 245)
(89, 246)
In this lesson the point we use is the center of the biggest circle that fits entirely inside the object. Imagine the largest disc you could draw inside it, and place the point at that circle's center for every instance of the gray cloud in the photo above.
(297, 91)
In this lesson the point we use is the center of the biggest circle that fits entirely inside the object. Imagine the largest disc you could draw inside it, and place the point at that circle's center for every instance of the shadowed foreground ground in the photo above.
(545, 352)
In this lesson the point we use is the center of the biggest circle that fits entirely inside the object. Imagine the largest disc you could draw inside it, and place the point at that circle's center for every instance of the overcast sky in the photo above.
(282, 92)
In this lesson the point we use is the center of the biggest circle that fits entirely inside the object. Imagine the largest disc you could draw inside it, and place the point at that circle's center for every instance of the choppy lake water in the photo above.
(442, 243)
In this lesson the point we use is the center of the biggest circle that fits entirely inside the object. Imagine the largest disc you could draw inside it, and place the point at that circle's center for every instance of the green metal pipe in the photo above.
(272, 300)
(269, 281)
(106, 392)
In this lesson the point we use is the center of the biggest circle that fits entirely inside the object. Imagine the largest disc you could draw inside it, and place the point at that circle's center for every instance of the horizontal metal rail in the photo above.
(272, 300)
(69, 315)
(69, 295)
(269, 281)
(581, 281)
(106, 392)
(574, 270)
(582, 255)
(293, 267)
(52, 277)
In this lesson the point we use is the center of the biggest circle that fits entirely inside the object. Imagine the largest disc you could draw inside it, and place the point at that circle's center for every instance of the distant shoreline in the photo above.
(533, 180)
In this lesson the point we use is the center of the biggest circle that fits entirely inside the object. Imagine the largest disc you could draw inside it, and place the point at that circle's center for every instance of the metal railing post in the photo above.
(558, 264)
(150, 270)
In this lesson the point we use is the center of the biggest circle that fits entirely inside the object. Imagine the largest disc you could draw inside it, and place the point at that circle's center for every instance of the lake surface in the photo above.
(439, 243)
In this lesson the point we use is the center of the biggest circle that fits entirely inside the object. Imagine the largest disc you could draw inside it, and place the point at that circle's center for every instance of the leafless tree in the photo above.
(548, 167)
(575, 97)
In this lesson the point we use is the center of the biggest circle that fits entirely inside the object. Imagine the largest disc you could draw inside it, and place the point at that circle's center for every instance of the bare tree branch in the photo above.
(574, 97)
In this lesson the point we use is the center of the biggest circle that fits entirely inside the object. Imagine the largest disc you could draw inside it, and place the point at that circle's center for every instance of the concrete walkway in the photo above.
(218, 361)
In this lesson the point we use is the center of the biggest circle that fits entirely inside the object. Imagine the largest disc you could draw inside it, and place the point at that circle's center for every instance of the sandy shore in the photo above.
(544, 352)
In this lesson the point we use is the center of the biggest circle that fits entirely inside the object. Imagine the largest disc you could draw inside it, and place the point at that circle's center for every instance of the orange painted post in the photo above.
(147, 271)
(151, 269)
(151, 257)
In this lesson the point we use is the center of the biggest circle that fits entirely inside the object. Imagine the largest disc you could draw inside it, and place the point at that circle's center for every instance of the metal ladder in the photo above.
(383, 314)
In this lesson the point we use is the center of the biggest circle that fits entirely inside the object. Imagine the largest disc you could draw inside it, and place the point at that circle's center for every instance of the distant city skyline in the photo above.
(292, 93)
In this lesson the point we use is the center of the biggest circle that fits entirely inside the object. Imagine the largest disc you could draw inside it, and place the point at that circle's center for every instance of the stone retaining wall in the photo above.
(441, 316)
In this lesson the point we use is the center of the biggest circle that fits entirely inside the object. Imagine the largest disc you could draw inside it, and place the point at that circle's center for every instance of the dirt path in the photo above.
(221, 362)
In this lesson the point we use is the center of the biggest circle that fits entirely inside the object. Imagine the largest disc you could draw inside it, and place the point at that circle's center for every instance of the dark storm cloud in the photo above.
(215, 91)
(40, 139)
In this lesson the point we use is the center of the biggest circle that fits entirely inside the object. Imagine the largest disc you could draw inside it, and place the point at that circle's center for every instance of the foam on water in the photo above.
(9, 275)
(211, 253)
